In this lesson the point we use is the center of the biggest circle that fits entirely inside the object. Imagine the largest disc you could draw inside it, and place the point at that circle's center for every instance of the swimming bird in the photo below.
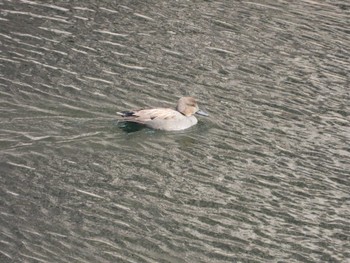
(180, 118)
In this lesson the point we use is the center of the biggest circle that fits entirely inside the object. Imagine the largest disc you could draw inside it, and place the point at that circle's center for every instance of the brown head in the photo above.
(187, 106)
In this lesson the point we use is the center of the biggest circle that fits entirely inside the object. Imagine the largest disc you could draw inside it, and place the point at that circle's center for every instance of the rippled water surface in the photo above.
(264, 179)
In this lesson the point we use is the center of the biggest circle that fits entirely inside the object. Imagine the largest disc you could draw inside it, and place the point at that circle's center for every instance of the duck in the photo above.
(166, 119)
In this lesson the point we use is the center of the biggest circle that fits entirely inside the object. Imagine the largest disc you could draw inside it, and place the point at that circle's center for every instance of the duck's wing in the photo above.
(149, 115)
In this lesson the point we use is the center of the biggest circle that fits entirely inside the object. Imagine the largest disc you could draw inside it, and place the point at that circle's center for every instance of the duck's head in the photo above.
(188, 106)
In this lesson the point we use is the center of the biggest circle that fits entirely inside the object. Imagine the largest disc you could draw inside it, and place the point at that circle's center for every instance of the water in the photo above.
(264, 179)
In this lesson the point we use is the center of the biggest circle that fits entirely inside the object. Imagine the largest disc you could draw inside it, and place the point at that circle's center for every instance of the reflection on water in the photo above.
(263, 179)
(130, 127)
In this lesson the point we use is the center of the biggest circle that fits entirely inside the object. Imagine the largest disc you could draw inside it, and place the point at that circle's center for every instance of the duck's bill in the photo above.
(203, 113)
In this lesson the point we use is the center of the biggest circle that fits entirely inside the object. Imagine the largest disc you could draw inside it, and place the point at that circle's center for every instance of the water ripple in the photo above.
(263, 179)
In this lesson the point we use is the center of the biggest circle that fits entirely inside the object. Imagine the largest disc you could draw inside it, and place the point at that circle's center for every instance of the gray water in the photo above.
(264, 179)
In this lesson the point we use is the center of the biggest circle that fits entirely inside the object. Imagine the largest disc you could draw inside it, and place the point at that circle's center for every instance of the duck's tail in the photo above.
(126, 113)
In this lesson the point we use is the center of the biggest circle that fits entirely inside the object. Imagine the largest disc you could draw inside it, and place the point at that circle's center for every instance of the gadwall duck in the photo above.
(165, 118)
